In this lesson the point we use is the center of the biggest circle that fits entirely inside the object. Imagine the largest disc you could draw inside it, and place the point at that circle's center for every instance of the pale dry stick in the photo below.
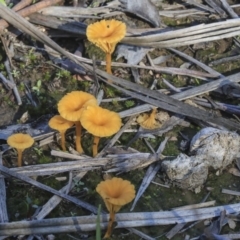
(179, 227)
(3, 206)
(207, 87)
(69, 155)
(177, 14)
(197, 205)
(200, 5)
(185, 41)
(63, 11)
(162, 185)
(231, 192)
(125, 220)
(6, 82)
(195, 61)
(180, 33)
(168, 70)
(215, 5)
(229, 9)
(15, 90)
(221, 106)
(224, 60)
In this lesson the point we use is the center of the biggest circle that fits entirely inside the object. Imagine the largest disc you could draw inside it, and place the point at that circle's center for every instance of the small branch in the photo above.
(15, 90)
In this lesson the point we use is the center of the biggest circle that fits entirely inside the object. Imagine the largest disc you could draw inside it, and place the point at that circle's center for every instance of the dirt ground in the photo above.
(42, 83)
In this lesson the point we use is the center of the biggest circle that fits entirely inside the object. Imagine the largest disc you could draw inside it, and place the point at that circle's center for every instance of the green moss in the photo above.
(44, 159)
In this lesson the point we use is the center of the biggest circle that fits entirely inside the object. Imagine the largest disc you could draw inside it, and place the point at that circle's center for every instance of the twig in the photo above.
(231, 192)
(229, 9)
(207, 87)
(6, 82)
(3, 206)
(54, 168)
(15, 90)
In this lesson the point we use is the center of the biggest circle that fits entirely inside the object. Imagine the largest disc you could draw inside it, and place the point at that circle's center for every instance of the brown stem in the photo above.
(78, 136)
(110, 224)
(63, 141)
(20, 151)
(95, 145)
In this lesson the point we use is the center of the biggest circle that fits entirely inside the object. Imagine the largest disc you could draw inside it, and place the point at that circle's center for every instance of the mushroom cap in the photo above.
(116, 192)
(106, 34)
(59, 123)
(100, 122)
(20, 141)
(71, 105)
(148, 121)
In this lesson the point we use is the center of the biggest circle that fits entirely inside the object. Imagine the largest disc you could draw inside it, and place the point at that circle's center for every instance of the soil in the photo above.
(41, 84)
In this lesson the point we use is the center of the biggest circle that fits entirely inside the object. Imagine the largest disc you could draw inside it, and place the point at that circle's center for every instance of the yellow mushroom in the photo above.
(115, 192)
(106, 34)
(71, 106)
(60, 124)
(20, 141)
(148, 121)
(100, 122)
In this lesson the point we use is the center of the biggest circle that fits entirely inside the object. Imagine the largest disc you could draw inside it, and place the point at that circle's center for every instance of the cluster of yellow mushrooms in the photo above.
(81, 109)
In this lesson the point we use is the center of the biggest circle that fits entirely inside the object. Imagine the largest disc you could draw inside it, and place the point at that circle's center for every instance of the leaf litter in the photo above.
(218, 122)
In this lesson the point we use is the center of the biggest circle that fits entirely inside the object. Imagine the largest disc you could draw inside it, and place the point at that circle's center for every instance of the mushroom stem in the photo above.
(108, 63)
(153, 113)
(63, 140)
(110, 224)
(20, 151)
(95, 145)
(78, 136)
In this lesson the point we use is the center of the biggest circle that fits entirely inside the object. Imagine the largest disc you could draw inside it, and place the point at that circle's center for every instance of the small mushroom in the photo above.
(106, 34)
(100, 122)
(149, 121)
(116, 193)
(20, 141)
(60, 124)
(71, 106)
